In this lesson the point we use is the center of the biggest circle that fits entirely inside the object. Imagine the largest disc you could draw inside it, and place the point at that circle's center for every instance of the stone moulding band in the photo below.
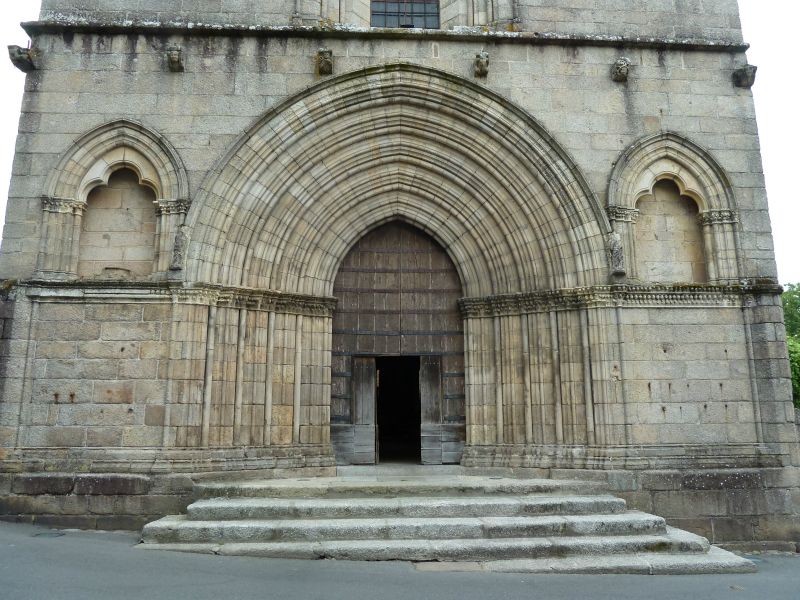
(731, 296)
(207, 295)
(165, 460)
(120, 26)
(637, 457)
(615, 296)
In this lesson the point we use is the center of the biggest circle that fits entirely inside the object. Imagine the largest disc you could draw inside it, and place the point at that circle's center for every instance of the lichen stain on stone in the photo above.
(131, 52)
(86, 44)
(232, 53)
(262, 52)
(102, 43)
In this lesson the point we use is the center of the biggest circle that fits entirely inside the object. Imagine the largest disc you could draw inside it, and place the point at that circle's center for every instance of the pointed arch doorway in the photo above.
(397, 371)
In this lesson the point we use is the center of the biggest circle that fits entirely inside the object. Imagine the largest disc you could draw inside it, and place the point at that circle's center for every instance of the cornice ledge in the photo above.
(63, 22)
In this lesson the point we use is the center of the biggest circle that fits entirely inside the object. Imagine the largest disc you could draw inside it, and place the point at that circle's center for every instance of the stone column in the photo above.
(171, 214)
(623, 219)
(719, 238)
(60, 238)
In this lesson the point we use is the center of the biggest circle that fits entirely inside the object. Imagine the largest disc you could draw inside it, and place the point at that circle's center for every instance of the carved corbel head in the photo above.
(325, 61)
(175, 59)
(482, 64)
(22, 58)
(621, 69)
(745, 77)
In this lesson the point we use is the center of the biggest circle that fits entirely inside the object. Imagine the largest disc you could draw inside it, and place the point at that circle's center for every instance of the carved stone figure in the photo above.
(22, 58)
(745, 77)
(482, 64)
(616, 253)
(175, 59)
(621, 69)
(179, 249)
(325, 61)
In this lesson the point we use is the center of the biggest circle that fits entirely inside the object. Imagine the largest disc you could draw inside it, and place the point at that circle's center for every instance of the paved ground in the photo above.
(40, 563)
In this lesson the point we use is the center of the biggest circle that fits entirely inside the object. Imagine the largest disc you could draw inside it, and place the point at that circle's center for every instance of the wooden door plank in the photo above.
(430, 389)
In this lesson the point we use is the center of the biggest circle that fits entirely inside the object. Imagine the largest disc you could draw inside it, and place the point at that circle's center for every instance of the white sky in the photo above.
(769, 26)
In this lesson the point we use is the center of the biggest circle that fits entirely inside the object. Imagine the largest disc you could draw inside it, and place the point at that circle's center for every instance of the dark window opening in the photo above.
(398, 409)
(423, 14)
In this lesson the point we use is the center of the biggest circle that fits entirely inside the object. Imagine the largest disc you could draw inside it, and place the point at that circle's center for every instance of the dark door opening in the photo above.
(398, 409)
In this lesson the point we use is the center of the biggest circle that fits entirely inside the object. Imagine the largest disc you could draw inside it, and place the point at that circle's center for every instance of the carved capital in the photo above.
(62, 205)
(719, 217)
(172, 207)
(622, 214)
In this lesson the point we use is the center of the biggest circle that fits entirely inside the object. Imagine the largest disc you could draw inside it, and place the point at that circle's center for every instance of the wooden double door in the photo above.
(398, 352)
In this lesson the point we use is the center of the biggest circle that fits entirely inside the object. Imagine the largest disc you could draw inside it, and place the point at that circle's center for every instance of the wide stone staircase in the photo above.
(496, 523)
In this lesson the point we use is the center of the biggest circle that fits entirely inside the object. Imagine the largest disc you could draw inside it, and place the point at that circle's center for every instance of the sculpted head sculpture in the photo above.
(325, 61)
(621, 69)
(175, 59)
(482, 64)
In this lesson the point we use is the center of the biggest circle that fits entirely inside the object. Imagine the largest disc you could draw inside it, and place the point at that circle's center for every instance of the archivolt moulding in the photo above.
(93, 157)
(669, 156)
(397, 141)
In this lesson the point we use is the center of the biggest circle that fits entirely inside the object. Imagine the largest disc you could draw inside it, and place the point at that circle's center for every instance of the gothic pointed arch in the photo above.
(88, 164)
(397, 142)
(699, 179)
(92, 158)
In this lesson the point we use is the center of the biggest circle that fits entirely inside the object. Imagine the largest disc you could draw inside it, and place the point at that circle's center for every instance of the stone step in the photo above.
(385, 470)
(671, 542)
(352, 487)
(181, 530)
(716, 561)
(226, 509)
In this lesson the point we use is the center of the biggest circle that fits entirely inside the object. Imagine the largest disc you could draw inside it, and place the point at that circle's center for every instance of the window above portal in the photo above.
(423, 14)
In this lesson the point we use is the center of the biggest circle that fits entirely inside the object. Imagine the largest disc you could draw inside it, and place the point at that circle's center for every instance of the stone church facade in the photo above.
(265, 238)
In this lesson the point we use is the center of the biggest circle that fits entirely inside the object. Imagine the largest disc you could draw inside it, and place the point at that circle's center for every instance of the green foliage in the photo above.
(794, 360)
(791, 309)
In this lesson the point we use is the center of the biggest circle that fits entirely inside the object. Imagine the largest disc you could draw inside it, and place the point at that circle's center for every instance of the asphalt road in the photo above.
(40, 563)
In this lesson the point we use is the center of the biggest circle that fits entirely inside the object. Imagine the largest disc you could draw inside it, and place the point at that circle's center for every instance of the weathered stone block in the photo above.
(109, 350)
(111, 485)
(131, 331)
(723, 481)
(50, 484)
(104, 437)
(114, 392)
(154, 415)
(114, 312)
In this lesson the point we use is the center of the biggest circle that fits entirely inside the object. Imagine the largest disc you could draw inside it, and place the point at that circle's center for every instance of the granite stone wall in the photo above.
(265, 171)
(714, 19)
